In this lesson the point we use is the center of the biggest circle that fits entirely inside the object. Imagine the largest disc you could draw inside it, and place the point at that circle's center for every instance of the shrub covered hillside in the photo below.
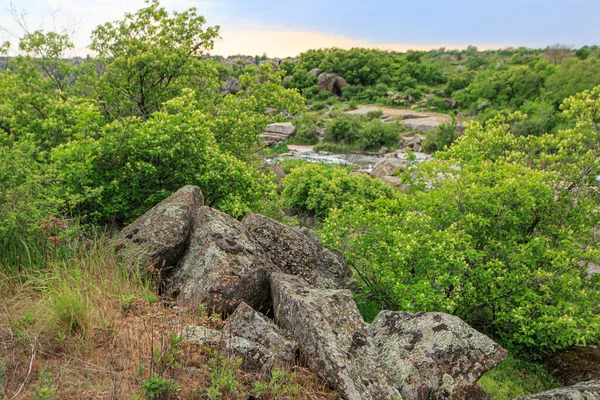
(501, 228)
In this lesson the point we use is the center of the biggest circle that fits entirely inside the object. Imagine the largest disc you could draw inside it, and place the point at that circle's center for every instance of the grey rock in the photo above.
(222, 267)
(332, 337)
(331, 82)
(287, 79)
(392, 180)
(247, 323)
(295, 253)
(232, 86)
(158, 238)
(589, 390)
(285, 128)
(315, 72)
(256, 356)
(433, 355)
(385, 168)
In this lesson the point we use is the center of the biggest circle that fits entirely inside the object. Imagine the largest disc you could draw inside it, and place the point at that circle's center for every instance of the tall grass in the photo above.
(65, 290)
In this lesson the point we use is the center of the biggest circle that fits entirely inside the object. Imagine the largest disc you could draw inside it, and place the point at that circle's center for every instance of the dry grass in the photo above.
(85, 328)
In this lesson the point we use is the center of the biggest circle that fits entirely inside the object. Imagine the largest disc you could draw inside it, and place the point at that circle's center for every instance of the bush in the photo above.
(376, 134)
(439, 138)
(344, 128)
(318, 189)
(483, 246)
(307, 128)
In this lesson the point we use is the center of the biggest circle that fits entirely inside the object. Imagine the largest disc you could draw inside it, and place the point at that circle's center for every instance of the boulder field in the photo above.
(285, 299)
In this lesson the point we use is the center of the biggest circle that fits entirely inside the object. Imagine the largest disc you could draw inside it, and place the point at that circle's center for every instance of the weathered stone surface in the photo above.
(295, 253)
(332, 82)
(392, 180)
(159, 237)
(433, 355)
(285, 128)
(278, 132)
(222, 266)
(577, 364)
(249, 324)
(232, 86)
(256, 356)
(315, 72)
(385, 168)
(589, 390)
(332, 337)
(277, 171)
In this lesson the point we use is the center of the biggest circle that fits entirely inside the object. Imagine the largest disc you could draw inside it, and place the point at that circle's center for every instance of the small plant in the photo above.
(222, 376)
(165, 358)
(375, 114)
(352, 105)
(44, 390)
(159, 388)
(439, 138)
(151, 299)
(126, 302)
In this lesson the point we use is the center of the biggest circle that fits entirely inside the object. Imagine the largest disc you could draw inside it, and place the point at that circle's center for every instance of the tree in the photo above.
(145, 54)
(557, 53)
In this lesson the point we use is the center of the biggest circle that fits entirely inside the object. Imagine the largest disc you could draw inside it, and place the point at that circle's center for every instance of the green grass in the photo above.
(514, 378)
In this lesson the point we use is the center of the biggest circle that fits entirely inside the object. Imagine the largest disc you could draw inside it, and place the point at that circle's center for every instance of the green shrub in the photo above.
(483, 246)
(159, 388)
(375, 114)
(344, 128)
(376, 134)
(307, 128)
(439, 138)
(318, 189)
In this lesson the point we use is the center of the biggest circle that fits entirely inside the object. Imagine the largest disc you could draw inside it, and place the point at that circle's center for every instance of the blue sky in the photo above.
(286, 27)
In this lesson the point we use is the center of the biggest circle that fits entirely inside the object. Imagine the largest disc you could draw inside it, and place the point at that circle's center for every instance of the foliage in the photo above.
(362, 133)
(144, 56)
(44, 390)
(307, 126)
(439, 138)
(222, 376)
(318, 189)
(159, 388)
(502, 241)
(515, 378)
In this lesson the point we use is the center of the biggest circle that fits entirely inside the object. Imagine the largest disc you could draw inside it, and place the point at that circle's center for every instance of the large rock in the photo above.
(249, 324)
(256, 356)
(296, 253)
(331, 82)
(232, 86)
(433, 355)
(158, 238)
(278, 132)
(332, 337)
(577, 364)
(222, 267)
(582, 391)
(385, 168)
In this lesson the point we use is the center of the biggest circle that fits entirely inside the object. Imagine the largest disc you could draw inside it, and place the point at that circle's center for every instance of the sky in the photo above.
(282, 28)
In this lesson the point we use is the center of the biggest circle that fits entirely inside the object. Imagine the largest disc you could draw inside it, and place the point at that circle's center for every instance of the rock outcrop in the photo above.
(278, 132)
(433, 355)
(222, 267)
(582, 391)
(158, 238)
(232, 86)
(249, 324)
(331, 82)
(257, 268)
(332, 337)
(385, 168)
(295, 253)
(256, 356)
